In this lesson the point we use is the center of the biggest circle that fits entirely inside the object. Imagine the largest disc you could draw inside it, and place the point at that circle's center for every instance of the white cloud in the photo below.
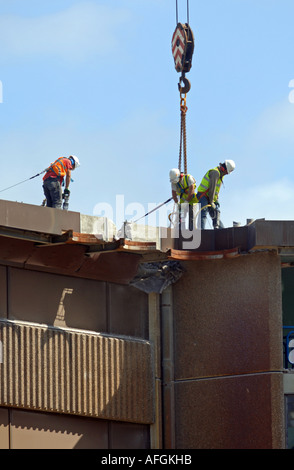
(276, 122)
(272, 132)
(75, 33)
(264, 151)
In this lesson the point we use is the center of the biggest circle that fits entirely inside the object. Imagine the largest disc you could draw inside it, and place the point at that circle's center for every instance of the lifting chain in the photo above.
(183, 135)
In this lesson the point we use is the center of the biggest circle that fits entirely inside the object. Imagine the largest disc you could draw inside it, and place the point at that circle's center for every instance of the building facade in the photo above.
(119, 344)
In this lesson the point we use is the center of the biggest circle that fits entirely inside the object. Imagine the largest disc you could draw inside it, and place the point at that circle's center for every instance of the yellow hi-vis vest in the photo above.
(183, 190)
(204, 185)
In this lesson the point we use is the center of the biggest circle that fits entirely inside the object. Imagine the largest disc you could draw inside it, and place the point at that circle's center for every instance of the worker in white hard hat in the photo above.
(54, 179)
(183, 190)
(208, 193)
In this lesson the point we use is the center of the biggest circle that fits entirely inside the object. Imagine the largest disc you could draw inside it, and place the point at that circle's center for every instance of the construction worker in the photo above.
(54, 179)
(183, 187)
(208, 192)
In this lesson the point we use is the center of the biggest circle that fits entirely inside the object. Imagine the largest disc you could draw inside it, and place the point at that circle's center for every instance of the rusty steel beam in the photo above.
(196, 255)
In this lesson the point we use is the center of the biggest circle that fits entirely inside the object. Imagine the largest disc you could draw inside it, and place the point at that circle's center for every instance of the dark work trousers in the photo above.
(190, 215)
(214, 213)
(53, 192)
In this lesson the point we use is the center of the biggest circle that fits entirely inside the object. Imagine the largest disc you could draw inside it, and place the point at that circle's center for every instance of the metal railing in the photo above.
(288, 346)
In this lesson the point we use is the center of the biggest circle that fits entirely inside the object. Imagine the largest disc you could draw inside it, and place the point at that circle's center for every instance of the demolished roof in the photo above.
(67, 251)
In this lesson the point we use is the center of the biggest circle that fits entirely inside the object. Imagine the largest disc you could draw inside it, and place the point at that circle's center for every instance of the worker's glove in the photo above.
(66, 192)
(213, 206)
(217, 205)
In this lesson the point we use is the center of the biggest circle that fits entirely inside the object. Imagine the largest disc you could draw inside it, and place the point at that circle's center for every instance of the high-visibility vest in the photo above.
(204, 185)
(58, 167)
(183, 190)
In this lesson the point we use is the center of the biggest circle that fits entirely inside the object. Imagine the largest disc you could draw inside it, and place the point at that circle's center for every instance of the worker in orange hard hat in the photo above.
(208, 192)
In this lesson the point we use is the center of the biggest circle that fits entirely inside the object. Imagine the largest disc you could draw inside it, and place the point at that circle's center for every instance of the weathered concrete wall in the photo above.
(76, 372)
(73, 346)
(228, 354)
(103, 228)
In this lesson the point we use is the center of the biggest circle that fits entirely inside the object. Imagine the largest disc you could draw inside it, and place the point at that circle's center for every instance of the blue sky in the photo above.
(96, 78)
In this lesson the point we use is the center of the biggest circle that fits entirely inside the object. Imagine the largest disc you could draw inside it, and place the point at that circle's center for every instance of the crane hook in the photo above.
(182, 50)
(187, 85)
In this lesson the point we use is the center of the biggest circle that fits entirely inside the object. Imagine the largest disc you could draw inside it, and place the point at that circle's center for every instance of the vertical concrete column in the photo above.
(154, 337)
(228, 360)
(168, 369)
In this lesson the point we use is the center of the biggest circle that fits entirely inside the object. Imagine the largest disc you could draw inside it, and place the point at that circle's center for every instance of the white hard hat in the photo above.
(230, 165)
(76, 160)
(174, 175)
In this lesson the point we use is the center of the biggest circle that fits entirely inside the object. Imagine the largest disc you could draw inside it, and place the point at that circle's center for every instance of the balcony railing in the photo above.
(288, 344)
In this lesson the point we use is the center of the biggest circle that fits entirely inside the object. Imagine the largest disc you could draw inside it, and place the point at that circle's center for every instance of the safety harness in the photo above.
(58, 168)
(183, 187)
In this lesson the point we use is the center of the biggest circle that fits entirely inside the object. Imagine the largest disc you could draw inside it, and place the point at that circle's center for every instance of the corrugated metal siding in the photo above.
(81, 373)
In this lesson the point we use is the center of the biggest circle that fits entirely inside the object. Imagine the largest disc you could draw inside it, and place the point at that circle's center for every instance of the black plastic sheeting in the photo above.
(155, 277)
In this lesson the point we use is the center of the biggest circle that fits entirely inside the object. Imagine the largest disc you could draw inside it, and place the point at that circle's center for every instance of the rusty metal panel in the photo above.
(206, 255)
(116, 267)
(72, 259)
(128, 311)
(15, 250)
(61, 258)
(66, 371)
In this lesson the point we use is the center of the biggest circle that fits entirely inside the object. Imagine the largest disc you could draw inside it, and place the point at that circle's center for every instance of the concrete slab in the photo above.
(37, 218)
